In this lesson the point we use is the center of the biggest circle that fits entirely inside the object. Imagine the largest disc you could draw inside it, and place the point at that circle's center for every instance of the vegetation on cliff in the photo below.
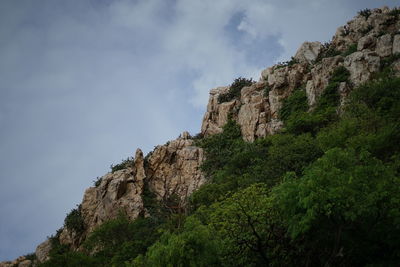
(324, 191)
(321, 189)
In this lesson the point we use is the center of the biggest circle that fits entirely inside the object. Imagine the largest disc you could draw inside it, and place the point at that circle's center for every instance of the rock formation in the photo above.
(360, 46)
(173, 169)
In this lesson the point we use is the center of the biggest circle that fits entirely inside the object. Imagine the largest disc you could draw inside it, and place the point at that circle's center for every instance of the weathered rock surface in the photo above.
(170, 170)
(25, 263)
(42, 251)
(366, 42)
(308, 52)
(257, 110)
(319, 77)
(174, 169)
(384, 45)
(216, 115)
(362, 65)
(396, 44)
(19, 262)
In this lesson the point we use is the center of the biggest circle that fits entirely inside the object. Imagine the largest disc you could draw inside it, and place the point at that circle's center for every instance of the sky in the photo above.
(83, 83)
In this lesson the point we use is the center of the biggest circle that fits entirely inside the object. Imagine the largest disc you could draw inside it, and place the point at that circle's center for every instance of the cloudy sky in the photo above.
(84, 83)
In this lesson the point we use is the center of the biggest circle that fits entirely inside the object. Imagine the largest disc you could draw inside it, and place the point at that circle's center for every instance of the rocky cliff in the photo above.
(362, 46)
(365, 45)
(170, 170)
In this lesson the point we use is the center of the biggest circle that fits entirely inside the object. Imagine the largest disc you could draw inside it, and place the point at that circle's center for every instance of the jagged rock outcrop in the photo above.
(173, 170)
(118, 192)
(42, 251)
(360, 46)
(319, 77)
(361, 65)
(170, 170)
(19, 262)
(217, 113)
(308, 52)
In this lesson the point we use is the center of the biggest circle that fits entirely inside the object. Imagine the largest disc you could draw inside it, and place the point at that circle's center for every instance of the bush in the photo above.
(288, 63)
(343, 199)
(296, 102)
(234, 89)
(352, 48)
(299, 121)
(120, 239)
(30, 256)
(123, 165)
(266, 90)
(386, 62)
(71, 259)
(198, 136)
(194, 246)
(365, 13)
(74, 221)
(327, 51)
(97, 182)
(340, 74)
(395, 12)
(382, 96)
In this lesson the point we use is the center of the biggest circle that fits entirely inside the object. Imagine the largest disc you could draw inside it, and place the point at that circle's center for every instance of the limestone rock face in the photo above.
(118, 192)
(174, 169)
(257, 109)
(319, 77)
(216, 115)
(366, 42)
(384, 45)
(362, 65)
(252, 116)
(396, 44)
(43, 250)
(19, 262)
(25, 263)
(379, 21)
(308, 52)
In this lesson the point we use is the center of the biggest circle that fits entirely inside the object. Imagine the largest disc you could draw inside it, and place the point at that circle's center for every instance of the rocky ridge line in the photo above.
(361, 46)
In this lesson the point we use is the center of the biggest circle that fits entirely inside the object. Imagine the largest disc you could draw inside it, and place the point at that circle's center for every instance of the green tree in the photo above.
(120, 239)
(251, 231)
(345, 204)
(194, 246)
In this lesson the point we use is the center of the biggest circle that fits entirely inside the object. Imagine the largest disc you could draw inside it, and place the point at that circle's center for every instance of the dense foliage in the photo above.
(123, 165)
(234, 89)
(319, 196)
(323, 192)
(74, 221)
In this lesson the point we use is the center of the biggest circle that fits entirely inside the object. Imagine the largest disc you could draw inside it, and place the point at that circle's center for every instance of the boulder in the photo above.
(384, 45)
(25, 263)
(174, 169)
(366, 42)
(43, 250)
(396, 44)
(362, 65)
(308, 52)
(215, 116)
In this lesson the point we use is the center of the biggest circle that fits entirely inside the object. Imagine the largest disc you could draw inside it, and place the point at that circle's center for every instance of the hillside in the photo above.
(299, 168)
